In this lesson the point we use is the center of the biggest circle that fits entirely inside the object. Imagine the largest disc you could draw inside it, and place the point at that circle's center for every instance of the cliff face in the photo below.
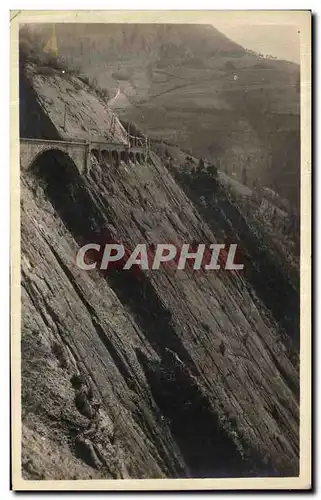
(56, 107)
(152, 374)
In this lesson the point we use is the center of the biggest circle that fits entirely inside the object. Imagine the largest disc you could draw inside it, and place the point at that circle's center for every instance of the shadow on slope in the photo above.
(208, 449)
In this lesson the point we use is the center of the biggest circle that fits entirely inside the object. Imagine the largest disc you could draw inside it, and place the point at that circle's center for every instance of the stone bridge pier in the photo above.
(30, 149)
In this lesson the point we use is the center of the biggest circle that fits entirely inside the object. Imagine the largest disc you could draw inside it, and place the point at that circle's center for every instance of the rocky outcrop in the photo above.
(149, 374)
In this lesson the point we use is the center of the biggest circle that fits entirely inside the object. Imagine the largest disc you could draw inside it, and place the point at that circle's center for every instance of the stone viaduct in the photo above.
(80, 152)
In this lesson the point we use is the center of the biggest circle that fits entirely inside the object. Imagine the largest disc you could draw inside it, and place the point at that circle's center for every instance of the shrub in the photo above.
(229, 65)
(121, 75)
(132, 129)
(85, 79)
(102, 92)
(56, 63)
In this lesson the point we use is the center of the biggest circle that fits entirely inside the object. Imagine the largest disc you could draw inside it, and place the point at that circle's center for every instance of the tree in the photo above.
(212, 170)
(201, 165)
(229, 65)
(244, 175)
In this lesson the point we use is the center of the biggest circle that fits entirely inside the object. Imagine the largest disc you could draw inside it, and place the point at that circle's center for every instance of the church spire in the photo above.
(51, 46)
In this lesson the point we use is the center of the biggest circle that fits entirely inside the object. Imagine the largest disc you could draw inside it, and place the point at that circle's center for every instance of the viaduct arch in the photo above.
(79, 152)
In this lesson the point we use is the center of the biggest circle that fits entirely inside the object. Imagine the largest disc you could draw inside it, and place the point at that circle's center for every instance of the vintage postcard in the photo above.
(160, 221)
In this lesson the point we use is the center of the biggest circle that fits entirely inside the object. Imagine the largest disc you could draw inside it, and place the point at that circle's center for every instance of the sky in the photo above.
(281, 41)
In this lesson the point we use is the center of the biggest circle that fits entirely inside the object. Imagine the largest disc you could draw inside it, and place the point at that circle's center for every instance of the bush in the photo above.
(212, 170)
(194, 62)
(85, 79)
(103, 93)
(55, 62)
(121, 75)
(201, 165)
(132, 129)
(229, 65)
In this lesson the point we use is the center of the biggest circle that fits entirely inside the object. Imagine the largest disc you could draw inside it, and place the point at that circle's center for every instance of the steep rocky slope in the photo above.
(138, 374)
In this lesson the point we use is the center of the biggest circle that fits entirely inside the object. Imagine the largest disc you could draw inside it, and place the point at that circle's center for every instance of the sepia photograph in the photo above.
(161, 192)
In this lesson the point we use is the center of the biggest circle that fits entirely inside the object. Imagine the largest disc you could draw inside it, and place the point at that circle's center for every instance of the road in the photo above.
(113, 99)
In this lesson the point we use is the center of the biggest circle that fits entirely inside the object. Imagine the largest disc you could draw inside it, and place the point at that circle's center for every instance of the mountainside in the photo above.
(192, 86)
(145, 374)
